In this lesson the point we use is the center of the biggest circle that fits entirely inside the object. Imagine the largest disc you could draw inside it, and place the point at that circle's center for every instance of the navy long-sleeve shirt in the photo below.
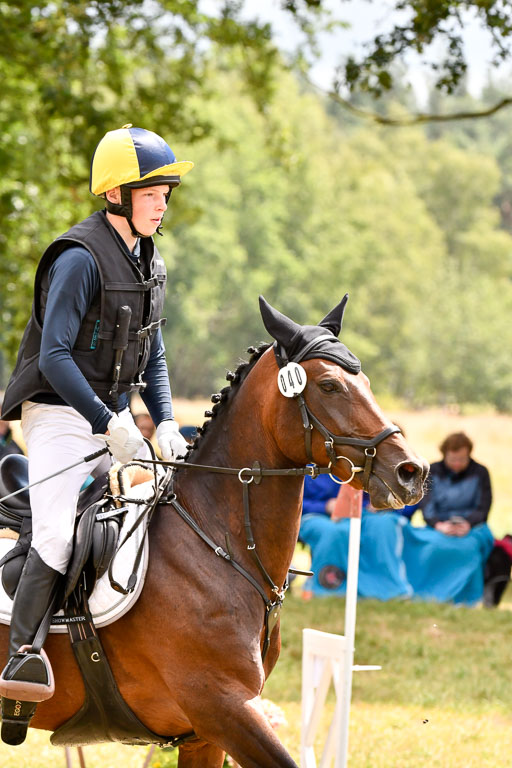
(73, 283)
(464, 494)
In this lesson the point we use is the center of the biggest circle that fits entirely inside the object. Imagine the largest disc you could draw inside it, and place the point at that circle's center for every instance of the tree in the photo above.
(420, 25)
(73, 70)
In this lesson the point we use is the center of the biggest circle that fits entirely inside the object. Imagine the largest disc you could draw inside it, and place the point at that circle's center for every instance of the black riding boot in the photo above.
(28, 678)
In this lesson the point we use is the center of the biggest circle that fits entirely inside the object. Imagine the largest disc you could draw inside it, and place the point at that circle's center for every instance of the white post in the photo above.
(327, 656)
(343, 702)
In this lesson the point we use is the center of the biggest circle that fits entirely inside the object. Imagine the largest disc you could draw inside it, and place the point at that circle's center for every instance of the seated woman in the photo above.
(445, 561)
(381, 571)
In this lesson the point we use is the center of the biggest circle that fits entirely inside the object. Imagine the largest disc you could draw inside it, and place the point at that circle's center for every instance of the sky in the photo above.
(366, 19)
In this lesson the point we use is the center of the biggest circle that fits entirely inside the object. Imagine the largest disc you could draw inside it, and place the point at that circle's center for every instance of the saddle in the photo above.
(96, 530)
(104, 715)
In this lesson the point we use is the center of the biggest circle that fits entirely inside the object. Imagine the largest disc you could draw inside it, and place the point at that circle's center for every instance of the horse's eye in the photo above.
(329, 386)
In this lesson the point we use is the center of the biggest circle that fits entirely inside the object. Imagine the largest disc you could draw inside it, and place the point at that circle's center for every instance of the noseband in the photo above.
(310, 422)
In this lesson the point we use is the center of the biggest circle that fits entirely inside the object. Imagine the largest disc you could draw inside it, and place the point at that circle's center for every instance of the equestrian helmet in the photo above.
(133, 157)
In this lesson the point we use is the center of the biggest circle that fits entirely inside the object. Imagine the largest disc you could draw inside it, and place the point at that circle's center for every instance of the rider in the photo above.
(73, 374)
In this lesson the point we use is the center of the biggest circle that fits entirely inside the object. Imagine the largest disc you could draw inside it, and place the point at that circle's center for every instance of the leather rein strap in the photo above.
(246, 475)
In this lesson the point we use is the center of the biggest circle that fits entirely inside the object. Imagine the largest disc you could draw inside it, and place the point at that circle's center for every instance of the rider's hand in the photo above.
(123, 438)
(171, 443)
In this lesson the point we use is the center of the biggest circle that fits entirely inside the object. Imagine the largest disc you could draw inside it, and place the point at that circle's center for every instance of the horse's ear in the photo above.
(280, 327)
(334, 319)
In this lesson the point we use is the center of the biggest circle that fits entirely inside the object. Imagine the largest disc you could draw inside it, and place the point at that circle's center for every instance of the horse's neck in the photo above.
(237, 438)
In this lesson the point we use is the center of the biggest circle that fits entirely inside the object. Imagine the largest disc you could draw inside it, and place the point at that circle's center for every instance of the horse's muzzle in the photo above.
(403, 486)
(411, 476)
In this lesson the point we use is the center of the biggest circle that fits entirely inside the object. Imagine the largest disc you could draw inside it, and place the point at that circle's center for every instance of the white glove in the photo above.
(124, 439)
(170, 442)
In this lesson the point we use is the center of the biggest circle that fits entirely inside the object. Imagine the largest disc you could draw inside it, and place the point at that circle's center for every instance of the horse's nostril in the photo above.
(408, 472)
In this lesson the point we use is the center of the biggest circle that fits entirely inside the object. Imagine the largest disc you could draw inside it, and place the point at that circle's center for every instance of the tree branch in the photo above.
(417, 118)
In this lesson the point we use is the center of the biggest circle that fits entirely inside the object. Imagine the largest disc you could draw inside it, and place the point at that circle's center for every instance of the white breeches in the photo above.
(56, 436)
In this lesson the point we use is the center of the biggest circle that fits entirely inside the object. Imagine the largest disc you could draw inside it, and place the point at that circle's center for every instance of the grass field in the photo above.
(443, 698)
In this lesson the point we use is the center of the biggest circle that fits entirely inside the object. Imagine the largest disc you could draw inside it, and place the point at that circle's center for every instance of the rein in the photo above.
(247, 475)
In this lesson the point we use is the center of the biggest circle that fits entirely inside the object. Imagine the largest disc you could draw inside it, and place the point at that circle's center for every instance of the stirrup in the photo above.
(26, 680)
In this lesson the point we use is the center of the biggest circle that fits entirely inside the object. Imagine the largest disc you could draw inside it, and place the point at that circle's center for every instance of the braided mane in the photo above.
(223, 398)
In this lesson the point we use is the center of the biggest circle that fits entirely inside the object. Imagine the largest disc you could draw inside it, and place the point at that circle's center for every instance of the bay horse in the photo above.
(188, 656)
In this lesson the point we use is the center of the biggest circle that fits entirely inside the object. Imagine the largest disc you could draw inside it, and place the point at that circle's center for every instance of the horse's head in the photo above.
(324, 411)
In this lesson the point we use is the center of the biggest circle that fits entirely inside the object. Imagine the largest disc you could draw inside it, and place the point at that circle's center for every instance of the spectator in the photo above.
(460, 493)
(445, 561)
(438, 562)
(189, 432)
(407, 511)
(381, 572)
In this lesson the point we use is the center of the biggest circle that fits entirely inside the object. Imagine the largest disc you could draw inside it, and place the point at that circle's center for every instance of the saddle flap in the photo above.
(81, 547)
(105, 536)
(95, 543)
(13, 476)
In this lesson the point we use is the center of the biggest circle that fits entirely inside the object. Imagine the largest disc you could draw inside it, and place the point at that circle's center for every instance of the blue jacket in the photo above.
(318, 492)
(464, 494)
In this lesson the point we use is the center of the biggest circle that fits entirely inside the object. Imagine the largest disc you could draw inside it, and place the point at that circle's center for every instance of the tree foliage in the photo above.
(289, 197)
(407, 224)
(420, 25)
(70, 71)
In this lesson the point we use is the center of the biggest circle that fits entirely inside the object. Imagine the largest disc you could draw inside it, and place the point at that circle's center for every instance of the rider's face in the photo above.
(148, 206)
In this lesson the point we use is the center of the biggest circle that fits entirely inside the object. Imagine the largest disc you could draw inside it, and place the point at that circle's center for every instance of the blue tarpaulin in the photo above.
(397, 559)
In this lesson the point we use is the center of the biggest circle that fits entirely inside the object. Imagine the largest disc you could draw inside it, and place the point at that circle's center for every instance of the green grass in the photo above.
(442, 699)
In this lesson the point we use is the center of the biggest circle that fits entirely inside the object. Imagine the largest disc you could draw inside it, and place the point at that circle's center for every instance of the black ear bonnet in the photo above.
(294, 342)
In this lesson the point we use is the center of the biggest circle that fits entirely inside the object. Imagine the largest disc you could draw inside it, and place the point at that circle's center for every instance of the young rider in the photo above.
(94, 336)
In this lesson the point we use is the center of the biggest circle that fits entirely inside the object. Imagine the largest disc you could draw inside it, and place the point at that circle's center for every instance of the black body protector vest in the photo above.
(122, 283)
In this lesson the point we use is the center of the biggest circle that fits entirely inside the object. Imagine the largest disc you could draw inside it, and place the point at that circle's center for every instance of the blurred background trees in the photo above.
(291, 196)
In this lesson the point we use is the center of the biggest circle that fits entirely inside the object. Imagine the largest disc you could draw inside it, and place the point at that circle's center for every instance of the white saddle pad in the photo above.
(106, 605)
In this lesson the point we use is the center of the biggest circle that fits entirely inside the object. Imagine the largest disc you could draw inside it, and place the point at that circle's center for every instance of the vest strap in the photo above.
(145, 332)
(141, 287)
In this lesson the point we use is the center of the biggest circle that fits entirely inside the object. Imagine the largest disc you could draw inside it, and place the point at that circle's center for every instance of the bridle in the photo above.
(310, 422)
(248, 475)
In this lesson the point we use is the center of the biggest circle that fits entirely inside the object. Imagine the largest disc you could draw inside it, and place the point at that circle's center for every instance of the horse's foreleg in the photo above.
(241, 729)
(200, 755)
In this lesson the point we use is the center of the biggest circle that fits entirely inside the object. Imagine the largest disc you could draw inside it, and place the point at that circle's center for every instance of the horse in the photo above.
(188, 656)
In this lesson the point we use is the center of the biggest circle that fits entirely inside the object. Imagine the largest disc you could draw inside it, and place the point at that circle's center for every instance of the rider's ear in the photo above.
(114, 195)
(280, 327)
(334, 319)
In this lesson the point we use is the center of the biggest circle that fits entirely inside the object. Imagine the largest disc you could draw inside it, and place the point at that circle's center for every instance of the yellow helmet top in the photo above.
(134, 157)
